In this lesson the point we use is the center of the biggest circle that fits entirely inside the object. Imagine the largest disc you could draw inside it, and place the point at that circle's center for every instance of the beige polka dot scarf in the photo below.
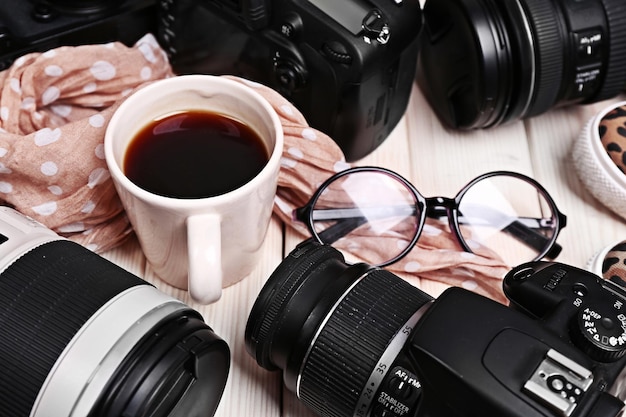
(54, 109)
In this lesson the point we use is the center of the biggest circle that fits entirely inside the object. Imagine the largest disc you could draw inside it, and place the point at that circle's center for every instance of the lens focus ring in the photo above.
(46, 296)
(352, 340)
(615, 79)
(542, 17)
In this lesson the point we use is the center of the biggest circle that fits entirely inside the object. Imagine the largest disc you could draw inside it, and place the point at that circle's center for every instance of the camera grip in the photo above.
(204, 247)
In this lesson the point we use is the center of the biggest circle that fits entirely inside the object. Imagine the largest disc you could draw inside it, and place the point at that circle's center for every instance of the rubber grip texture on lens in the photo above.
(542, 16)
(615, 79)
(46, 296)
(353, 339)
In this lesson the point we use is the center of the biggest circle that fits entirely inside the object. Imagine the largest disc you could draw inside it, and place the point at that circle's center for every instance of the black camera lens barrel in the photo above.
(42, 309)
(615, 79)
(365, 332)
(545, 32)
(487, 62)
(262, 335)
(76, 327)
(333, 329)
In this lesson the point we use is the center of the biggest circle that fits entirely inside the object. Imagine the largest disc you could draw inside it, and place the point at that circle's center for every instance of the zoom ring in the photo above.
(354, 337)
(549, 56)
(46, 296)
(615, 79)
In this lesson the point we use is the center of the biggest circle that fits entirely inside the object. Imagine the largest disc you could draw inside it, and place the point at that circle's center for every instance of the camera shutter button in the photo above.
(601, 332)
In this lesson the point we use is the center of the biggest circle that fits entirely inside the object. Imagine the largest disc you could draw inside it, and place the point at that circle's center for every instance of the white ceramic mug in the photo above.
(201, 244)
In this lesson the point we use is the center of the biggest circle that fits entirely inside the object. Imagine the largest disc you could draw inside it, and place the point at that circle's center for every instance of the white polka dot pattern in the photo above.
(103, 70)
(54, 108)
(49, 168)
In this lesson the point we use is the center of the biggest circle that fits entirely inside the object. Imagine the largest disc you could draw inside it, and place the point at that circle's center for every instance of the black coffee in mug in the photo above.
(194, 154)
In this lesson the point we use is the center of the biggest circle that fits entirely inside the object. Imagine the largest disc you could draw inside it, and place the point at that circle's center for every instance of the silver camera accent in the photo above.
(559, 382)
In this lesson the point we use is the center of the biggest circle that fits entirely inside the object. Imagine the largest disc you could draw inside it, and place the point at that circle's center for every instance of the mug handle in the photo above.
(204, 245)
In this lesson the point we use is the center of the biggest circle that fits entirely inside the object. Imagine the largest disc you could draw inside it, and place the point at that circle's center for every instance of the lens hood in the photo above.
(179, 369)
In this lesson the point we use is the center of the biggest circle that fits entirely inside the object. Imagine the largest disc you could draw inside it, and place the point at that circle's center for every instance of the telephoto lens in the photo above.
(487, 62)
(80, 336)
(337, 331)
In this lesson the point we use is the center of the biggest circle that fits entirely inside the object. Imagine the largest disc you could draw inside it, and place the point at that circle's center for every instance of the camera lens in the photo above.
(334, 329)
(81, 336)
(487, 62)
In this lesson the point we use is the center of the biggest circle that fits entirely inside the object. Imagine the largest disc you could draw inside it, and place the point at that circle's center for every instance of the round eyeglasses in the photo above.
(500, 214)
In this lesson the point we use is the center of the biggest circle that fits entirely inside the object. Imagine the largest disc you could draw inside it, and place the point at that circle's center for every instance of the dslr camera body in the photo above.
(39, 25)
(354, 340)
(347, 65)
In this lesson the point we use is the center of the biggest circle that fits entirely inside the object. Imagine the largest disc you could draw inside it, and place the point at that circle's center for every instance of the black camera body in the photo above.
(354, 340)
(347, 65)
(39, 25)
(561, 357)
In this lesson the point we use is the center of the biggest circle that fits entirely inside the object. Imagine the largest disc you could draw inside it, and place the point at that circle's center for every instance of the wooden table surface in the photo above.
(438, 161)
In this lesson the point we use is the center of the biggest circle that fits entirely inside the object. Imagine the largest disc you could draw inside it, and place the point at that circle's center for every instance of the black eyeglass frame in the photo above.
(432, 207)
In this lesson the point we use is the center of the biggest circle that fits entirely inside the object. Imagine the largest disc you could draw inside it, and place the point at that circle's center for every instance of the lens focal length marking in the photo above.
(385, 363)
(367, 322)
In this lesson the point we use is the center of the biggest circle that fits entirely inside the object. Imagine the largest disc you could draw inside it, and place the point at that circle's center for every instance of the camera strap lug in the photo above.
(375, 27)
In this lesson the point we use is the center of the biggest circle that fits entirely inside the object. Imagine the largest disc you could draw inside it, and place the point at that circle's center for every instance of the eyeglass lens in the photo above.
(507, 216)
(378, 218)
(369, 214)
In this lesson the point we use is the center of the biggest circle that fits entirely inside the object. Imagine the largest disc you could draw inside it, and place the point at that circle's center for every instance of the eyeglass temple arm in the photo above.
(347, 221)
(533, 238)
(525, 233)
(341, 228)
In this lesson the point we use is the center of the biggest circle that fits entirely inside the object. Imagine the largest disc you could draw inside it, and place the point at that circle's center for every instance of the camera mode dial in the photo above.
(290, 76)
(600, 331)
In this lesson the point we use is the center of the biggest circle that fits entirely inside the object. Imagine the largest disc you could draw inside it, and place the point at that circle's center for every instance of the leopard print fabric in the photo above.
(612, 131)
(614, 263)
